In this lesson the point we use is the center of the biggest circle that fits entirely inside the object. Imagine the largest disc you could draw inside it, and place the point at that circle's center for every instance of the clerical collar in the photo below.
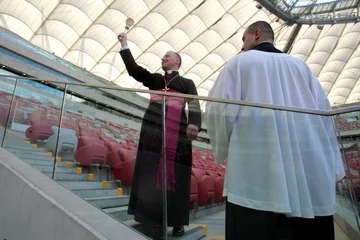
(265, 42)
(171, 71)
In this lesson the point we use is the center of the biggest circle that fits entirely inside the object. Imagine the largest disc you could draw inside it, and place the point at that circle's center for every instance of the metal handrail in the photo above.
(219, 100)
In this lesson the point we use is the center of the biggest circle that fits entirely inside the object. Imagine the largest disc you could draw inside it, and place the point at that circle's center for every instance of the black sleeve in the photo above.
(194, 106)
(139, 73)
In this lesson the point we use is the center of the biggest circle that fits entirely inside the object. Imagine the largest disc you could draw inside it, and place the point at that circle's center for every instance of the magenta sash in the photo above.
(172, 124)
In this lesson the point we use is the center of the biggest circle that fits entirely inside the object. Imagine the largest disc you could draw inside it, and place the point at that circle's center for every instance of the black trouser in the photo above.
(249, 224)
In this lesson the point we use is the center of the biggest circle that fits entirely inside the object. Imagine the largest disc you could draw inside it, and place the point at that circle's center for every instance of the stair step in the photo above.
(31, 156)
(38, 162)
(93, 193)
(109, 202)
(32, 151)
(206, 211)
(119, 213)
(58, 169)
(21, 146)
(73, 185)
(70, 176)
(191, 232)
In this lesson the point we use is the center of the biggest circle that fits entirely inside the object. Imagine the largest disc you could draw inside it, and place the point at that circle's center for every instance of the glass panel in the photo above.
(7, 86)
(196, 207)
(35, 113)
(99, 157)
(348, 191)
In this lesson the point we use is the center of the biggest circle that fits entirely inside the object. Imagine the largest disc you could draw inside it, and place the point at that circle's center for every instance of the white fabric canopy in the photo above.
(205, 33)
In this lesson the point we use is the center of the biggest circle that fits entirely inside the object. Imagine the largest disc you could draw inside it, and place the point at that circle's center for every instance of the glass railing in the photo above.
(112, 155)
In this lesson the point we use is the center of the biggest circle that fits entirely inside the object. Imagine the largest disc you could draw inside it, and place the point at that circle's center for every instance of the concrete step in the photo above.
(32, 151)
(69, 176)
(89, 185)
(21, 146)
(120, 213)
(12, 138)
(33, 156)
(58, 169)
(94, 193)
(109, 202)
(43, 162)
(38, 162)
(47, 167)
(66, 176)
(206, 211)
(191, 232)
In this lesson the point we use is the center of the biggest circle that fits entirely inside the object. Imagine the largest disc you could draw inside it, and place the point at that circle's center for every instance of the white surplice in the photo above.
(277, 161)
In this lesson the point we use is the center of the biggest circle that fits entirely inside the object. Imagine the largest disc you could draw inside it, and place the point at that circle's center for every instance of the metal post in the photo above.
(58, 132)
(14, 114)
(164, 182)
(8, 116)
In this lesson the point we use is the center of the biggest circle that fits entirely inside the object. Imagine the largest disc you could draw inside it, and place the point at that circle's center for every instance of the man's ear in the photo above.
(257, 34)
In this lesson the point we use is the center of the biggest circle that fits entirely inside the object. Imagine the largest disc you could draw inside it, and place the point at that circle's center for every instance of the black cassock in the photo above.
(146, 194)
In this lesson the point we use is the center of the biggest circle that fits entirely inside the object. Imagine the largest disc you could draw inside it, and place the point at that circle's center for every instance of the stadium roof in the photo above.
(206, 33)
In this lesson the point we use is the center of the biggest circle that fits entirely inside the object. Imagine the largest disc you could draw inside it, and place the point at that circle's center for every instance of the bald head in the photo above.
(257, 32)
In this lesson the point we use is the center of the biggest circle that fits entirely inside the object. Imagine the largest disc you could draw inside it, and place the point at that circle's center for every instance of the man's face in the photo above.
(169, 61)
(250, 39)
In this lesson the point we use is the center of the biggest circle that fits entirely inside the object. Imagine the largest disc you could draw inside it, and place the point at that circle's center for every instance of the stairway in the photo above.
(97, 186)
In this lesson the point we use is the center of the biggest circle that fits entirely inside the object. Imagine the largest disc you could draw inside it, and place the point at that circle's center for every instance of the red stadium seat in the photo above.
(206, 187)
(38, 131)
(90, 150)
(124, 170)
(194, 193)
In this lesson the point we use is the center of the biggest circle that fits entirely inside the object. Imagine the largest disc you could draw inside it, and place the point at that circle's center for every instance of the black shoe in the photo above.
(178, 231)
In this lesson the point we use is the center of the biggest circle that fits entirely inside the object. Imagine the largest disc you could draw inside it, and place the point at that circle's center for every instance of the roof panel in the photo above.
(80, 58)
(174, 13)
(136, 9)
(177, 38)
(92, 8)
(210, 12)
(210, 40)
(196, 50)
(102, 34)
(50, 44)
(25, 12)
(16, 25)
(60, 30)
(205, 33)
(198, 26)
(187, 62)
(91, 47)
(113, 19)
(72, 16)
(106, 71)
(152, 61)
(201, 70)
(156, 24)
(226, 27)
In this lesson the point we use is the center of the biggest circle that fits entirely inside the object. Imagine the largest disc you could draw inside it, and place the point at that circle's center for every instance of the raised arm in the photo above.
(139, 73)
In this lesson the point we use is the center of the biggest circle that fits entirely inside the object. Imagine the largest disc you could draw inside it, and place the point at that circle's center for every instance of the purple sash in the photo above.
(172, 123)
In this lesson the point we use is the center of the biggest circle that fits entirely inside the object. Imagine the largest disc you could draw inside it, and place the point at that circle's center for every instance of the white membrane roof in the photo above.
(205, 33)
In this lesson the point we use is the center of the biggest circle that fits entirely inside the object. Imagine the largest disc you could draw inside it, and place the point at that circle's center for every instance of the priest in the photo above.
(146, 194)
(281, 166)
